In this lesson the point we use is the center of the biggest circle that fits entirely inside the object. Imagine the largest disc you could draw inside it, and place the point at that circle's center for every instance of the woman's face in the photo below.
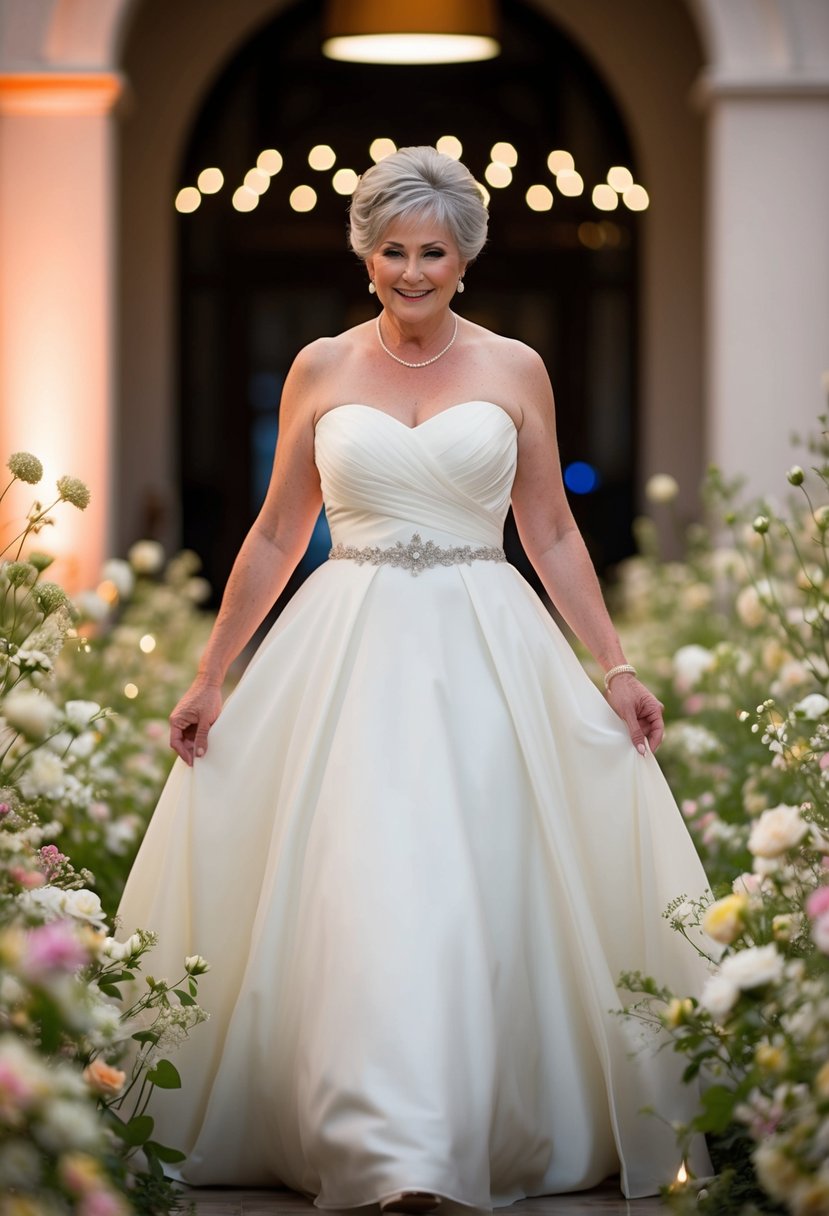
(415, 269)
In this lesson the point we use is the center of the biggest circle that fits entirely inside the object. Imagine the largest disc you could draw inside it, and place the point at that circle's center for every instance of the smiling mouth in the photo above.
(412, 295)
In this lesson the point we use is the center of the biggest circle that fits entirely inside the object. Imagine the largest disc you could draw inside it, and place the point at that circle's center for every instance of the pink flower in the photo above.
(4, 809)
(820, 932)
(689, 808)
(16, 1094)
(51, 859)
(818, 903)
(102, 1203)
(53, 947)
(27, 879)
(824, 760)
(693, 704)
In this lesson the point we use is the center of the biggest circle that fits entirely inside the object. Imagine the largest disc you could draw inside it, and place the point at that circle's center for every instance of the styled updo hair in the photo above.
(418, 181)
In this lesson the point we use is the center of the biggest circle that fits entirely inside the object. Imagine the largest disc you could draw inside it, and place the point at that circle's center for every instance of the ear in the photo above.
(369, 265)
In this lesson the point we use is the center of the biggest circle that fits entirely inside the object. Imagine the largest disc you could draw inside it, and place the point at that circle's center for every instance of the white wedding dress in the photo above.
(419, 851)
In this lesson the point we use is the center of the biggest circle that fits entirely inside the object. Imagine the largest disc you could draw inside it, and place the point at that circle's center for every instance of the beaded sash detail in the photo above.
(418, 554)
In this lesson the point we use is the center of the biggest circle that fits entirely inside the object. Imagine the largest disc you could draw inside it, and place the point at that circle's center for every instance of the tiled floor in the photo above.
(603, 1201)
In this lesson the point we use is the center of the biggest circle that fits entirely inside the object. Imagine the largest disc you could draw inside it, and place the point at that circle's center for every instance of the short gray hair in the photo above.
(416, 181)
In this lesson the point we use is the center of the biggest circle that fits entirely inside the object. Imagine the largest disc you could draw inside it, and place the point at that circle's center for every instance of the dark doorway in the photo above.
(257, 286)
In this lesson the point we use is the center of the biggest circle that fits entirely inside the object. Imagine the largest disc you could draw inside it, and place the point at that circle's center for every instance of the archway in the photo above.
(256, 286)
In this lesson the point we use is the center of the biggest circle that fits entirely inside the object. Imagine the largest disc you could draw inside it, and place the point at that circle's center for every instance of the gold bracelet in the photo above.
(618, 671)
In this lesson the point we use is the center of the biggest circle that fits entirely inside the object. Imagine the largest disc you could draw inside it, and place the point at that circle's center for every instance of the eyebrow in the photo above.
(427, 245)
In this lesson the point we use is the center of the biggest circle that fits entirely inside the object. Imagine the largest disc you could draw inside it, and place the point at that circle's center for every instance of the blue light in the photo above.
(580, 477)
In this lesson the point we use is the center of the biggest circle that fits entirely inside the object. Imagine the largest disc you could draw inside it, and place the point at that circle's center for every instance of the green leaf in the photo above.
(163, 1153)
(718, 1109)
(164, 1075)
(145, 1036)
(109, 989)
(138, 1130)
(184, 997)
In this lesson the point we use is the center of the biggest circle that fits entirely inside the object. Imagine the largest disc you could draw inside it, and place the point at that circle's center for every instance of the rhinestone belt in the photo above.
(418, 554)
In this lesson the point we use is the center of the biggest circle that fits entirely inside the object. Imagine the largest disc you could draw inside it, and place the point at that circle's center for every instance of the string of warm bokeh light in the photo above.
(498, 173)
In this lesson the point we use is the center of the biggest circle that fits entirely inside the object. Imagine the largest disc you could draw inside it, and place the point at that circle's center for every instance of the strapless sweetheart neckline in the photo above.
(348, 405)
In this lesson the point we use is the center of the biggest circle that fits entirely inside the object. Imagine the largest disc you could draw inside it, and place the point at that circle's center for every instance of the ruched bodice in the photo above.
(448, 478)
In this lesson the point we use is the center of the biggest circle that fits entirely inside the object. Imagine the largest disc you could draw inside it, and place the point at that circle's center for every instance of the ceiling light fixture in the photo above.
(410, 31)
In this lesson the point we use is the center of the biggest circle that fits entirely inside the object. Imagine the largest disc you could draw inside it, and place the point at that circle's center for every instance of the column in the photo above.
(767, 273)
(57, 324)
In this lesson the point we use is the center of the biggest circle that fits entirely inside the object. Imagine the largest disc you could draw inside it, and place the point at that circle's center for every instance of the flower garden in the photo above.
(735, 641)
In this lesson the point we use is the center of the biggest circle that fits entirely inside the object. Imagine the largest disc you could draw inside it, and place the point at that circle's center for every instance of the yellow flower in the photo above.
(677, 1012)
(770, 1058)
(79, 1173)
(724, 921)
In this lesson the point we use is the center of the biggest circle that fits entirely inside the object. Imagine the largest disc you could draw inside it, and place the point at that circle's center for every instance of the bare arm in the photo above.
(268, 555)
(557, 551)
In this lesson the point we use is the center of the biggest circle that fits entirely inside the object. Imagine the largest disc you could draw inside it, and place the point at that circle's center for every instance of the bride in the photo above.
(416, 844)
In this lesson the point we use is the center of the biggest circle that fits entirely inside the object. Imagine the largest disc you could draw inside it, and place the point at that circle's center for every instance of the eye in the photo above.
(391, 253)
(435, 253)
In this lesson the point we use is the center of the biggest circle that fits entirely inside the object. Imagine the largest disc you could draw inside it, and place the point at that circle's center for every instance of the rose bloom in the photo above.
(753, 967)
(83, 905)
(725, 919)
(776, 831)
(777, 1173)
(103, 1078)
(30, 712)
(718, 996)
(820, 933)
(818, 902)
(746, 884)
(690, 664)
(814, 706)
(749, 608)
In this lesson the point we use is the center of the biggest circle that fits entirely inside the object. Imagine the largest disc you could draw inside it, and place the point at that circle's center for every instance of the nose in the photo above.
(412, 272)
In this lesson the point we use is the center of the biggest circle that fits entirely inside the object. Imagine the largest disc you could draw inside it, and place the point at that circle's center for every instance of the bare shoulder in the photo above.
(316, 366)
(517, 365)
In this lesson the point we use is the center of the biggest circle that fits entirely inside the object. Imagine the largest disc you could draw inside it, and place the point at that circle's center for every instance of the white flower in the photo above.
(120, 574)
(90, 606)
(69, 1125)
(43, 903)
(84, 905)
(30, 712)
(752, 967)
(690, 663)
(194, 964)
(146, 556)
(44, 775)
(750, 608)
(118, 951)
(776, 831)
(36, 659)
(814, 706)
(80, 713)
(718, 996)
(746, 884)
(661, 488)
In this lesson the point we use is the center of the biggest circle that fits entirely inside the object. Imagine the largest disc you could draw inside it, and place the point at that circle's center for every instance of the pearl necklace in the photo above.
(425, 362)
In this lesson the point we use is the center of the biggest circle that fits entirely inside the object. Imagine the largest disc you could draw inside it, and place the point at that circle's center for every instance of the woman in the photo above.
(418, 846)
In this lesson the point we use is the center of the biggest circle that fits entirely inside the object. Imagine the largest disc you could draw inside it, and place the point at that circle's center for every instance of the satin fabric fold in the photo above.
(417, 854)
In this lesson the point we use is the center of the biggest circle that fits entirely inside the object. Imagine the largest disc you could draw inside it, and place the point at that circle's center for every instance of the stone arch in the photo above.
(168, 75)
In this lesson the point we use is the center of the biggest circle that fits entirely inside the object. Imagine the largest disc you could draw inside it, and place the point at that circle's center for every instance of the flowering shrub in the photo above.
(734, 640)
(77, 1062)
(94, 774)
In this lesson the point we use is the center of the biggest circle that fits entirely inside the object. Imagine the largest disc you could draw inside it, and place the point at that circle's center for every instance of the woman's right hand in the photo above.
(192, 718)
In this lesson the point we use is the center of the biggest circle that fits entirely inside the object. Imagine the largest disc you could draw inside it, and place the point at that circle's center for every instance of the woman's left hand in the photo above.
(639, 709)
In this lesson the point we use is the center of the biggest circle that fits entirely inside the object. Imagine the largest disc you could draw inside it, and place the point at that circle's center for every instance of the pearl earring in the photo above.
(371, 287)
(461, 287)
